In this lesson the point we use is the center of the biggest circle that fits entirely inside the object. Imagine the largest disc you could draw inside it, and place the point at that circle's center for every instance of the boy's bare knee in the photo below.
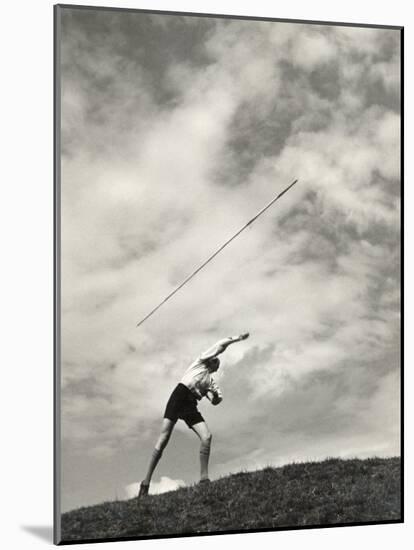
(206, 440)
(162, 442)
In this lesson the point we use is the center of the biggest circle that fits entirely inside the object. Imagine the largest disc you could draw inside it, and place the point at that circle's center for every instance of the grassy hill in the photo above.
(317, 493)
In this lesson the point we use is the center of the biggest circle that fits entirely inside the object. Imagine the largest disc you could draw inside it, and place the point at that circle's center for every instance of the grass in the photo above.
(333, 491)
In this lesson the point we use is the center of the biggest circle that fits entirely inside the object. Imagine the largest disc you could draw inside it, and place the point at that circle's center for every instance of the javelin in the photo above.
(215, 253)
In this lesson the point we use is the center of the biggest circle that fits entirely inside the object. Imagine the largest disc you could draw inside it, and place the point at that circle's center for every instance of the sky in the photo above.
(175, 131)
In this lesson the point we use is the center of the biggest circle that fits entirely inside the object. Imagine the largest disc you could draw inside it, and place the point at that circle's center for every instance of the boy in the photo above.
(196, 383)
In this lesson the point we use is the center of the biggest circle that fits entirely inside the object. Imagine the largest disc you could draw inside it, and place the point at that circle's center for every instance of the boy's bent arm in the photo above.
(214, 394)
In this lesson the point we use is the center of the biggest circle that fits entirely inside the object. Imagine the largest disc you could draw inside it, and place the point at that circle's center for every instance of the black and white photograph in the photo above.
(228, 227)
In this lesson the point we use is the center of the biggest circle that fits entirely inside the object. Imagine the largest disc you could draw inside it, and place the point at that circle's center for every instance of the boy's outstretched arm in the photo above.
(222, 345)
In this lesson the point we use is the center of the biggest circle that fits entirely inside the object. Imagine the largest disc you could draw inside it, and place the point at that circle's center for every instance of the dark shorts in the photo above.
(183, 404)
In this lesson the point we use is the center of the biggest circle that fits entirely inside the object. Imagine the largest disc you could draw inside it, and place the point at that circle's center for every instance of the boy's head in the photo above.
(213, 364)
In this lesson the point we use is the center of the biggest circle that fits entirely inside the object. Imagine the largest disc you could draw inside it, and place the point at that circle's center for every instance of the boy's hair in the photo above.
(215, 361)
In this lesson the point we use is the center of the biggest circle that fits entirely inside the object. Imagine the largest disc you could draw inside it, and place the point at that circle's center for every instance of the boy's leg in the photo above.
(166, 430)
(201, 429)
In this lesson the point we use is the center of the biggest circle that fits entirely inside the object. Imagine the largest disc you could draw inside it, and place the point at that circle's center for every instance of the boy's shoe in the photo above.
(205, 481)
(143, 489)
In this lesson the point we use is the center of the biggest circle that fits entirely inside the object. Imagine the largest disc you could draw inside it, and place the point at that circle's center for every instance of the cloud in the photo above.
(164, 485)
